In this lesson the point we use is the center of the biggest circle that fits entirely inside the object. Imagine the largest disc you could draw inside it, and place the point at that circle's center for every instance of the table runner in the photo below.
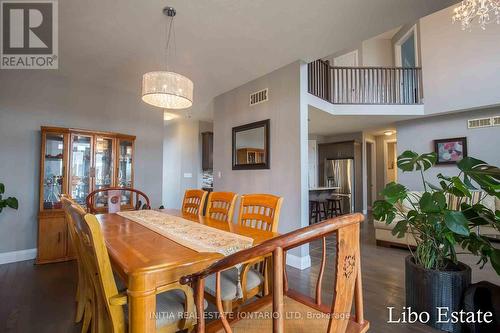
(196, 236)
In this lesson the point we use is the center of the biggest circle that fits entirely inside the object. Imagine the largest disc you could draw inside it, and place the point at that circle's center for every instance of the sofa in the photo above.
(383, 232)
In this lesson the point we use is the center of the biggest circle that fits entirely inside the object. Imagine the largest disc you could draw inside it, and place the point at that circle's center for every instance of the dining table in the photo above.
(147, 262)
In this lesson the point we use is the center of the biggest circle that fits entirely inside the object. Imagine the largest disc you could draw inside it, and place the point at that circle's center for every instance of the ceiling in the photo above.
(323, 123)
(221, 44)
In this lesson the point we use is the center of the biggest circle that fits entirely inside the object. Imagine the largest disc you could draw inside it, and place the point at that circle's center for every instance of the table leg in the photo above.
(142, 306)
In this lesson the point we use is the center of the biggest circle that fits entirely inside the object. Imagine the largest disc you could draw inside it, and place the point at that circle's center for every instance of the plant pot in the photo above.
(427, 290)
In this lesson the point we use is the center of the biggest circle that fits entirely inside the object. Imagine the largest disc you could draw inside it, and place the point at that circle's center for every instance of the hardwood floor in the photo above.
(41, 298)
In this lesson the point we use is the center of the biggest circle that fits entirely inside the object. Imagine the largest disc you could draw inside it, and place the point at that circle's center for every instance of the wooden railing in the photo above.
(365, 85)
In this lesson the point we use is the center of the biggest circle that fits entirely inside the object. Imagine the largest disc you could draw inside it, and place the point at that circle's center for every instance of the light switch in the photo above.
(188, 175)
(219, 174)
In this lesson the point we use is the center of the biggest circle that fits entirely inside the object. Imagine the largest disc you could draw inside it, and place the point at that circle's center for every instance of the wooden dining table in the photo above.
(147, 261)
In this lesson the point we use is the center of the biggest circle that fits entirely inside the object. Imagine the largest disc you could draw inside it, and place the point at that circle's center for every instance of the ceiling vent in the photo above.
(259, 97)
(496, 121)
(480, 122)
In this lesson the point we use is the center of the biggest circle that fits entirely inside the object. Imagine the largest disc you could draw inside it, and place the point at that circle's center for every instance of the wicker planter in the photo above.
(426, 290)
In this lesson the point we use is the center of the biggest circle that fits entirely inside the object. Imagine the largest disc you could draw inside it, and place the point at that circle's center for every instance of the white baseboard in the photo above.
(15, 256)
(298, 262)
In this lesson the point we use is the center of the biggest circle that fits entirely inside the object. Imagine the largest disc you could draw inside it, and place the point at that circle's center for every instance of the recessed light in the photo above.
(388, 133)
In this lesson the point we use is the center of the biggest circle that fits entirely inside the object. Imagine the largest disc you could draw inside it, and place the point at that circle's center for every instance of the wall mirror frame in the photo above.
(251, 146)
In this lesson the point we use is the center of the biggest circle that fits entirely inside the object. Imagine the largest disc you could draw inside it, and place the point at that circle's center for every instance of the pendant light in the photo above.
(166, 89)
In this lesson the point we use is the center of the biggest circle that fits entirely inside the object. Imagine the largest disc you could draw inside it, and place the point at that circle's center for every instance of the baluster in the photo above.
(319, 282)
(220, 308)
(200, 305)
(278, 263)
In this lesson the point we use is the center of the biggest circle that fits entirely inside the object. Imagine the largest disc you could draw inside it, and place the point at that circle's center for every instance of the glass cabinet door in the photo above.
(103, 163)
(81, 165)
(124, 167)
(53, 170)
(103, 169)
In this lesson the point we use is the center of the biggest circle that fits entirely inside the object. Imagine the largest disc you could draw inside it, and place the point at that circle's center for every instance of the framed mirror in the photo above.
(251, 146)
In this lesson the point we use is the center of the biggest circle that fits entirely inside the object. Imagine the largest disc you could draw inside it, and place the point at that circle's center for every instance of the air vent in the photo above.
(480, 122)
(496, 121)
(259, 97)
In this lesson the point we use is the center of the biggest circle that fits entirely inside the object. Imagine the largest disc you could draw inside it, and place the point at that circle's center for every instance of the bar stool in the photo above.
(334, 206)
(316, 208)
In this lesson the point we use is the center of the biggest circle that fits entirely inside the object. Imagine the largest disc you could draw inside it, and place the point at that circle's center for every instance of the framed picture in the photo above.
(450, 151)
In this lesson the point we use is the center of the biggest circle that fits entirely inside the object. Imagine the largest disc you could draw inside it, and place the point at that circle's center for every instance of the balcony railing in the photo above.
(365, 85)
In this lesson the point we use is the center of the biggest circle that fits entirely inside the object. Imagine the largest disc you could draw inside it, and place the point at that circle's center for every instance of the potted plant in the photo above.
(9, 202)
(434, 277)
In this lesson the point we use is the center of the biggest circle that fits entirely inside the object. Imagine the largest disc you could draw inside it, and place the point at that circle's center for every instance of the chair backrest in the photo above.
(220, 206)
(98, 270)
(193, 202)
(260, 211)
(114, 199)
(347, 280)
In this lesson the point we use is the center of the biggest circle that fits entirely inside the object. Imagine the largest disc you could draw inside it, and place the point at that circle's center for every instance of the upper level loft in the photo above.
(379, 76)
(365, 85)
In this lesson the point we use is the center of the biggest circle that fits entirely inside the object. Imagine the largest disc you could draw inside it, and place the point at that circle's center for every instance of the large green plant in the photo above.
(9, 202)
(439, 228)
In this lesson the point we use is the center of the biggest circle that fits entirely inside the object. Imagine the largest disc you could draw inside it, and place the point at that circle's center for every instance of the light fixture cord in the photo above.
(169, 32)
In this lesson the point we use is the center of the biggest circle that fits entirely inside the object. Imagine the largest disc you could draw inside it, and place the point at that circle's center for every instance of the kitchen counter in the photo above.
(318, 189)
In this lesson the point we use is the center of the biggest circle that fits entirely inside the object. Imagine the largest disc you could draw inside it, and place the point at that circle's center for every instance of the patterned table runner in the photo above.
(193, 235)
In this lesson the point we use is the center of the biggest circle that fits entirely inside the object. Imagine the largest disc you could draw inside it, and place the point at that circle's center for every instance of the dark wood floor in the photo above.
(41, 298)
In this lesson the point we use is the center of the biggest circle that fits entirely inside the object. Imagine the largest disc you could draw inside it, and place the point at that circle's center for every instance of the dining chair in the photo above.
(115, 199)
(260, 211)
(193, 202)
(239, 284)
(82, 289)
(309, 314)
(220, 206)
(108, 307)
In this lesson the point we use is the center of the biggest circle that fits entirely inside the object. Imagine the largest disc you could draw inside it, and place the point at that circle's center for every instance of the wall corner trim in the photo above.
(15, 256)
(298, 262)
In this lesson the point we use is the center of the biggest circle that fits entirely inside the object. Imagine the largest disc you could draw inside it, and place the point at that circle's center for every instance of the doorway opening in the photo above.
(371, 173)
(390, 161)
(406, 49)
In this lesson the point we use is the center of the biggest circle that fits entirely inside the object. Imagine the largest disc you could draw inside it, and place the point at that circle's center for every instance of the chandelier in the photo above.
(486, 11)
(167, 89)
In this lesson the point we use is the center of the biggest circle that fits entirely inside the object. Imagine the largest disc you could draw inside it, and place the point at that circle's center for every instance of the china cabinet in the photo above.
(76, 162)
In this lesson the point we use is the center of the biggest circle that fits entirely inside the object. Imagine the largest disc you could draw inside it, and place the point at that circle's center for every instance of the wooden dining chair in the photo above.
(193, 202)
(220, 206)
(83, 287)
(260, 211)
(115, 199)
(239, 284)
(107, 305)
(311, 314)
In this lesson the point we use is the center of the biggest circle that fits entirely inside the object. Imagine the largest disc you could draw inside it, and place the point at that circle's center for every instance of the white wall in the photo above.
(30, 99)
(460, 68)
(288, 142)
(378, 52)
(418, 135)
(182, 157)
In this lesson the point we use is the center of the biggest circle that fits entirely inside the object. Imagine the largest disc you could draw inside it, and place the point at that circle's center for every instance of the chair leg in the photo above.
(87, 318)
(227, 306)
(80, 298)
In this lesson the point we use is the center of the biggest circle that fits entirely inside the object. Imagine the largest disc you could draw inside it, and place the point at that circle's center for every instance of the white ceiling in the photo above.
(221, 44)
(323, 123)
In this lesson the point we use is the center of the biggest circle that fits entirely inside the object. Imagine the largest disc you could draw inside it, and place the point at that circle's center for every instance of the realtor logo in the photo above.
(29, 38)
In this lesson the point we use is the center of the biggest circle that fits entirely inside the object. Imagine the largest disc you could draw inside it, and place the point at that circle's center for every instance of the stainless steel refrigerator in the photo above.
(340, 173)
